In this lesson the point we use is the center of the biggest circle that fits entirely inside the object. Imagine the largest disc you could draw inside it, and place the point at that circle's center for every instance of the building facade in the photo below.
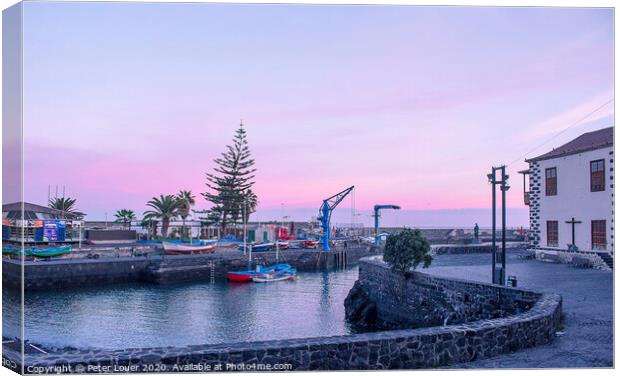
(34, 223)
(571, 195)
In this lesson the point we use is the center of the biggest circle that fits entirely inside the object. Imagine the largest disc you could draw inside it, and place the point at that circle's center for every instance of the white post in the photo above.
(245, 227)
(80, 236)
(250, 258)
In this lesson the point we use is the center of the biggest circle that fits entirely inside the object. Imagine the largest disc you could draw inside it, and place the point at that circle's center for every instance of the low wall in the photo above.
(394, 349)
(68, 272)
(441, 249)
(110, 235)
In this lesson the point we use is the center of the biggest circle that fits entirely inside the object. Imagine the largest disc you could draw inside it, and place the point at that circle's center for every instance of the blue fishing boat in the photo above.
(279, 272)
(261, 272)
(260, 247)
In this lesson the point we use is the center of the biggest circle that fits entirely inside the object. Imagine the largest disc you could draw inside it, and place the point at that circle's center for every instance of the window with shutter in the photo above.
(597, 175)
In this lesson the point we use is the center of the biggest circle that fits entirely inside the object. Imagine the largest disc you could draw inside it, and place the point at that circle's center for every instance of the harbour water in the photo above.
(146, 315)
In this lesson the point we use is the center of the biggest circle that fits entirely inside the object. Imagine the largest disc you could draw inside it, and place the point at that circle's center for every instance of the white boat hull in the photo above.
(268, 278)
(181, 248)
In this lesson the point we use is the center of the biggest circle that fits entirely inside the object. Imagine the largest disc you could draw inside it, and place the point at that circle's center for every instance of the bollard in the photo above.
(512, 280)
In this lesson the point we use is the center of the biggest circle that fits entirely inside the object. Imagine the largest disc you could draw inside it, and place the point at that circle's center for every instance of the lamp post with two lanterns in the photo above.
(498, 275)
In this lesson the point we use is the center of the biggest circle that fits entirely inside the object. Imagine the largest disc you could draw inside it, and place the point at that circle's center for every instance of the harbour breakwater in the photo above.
(118, 265)
(384, 299)
(408, 348)
(159, 268)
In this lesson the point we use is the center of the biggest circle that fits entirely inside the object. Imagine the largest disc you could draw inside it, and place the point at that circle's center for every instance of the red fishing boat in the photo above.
(310, 244)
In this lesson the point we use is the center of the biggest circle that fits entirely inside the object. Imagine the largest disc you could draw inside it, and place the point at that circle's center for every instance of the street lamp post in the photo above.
(504, 187)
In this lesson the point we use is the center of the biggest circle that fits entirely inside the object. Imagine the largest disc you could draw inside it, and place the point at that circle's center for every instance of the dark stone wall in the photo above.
(73, 272)
(395, 349)
(107, 235)
(68, 272)
(420, 300)
(455, 249)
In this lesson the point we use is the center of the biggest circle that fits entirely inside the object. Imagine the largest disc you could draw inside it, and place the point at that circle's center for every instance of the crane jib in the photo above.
(325, 213)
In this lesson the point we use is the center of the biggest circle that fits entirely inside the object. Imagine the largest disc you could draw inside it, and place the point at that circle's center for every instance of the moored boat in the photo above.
(278, 272)
(178, 248)
(241, 276)
(282, 244)
(276, 277)
(260, 272)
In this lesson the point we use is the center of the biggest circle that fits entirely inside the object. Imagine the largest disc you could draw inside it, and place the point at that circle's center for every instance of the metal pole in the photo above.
(376, 226)
(245, 226)
(503, 275)
(493, 256)
(250, 257)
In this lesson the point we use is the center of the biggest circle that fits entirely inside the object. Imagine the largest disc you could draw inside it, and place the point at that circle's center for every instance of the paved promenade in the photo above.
(587, 305)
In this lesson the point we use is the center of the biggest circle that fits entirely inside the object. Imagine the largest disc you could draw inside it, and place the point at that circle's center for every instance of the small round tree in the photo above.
(406, 250)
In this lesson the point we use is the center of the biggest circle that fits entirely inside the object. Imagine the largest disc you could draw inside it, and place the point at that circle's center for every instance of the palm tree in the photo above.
(125, 216)
(187, 200)
(64, 204)
(165, 208)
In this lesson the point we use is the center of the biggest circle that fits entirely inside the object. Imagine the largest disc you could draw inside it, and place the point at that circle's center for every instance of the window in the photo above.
(551, 181)
(599, 234)
(552, 233)
(597, 175)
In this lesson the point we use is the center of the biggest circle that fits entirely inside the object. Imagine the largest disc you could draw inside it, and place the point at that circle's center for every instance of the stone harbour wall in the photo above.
(384, 299)
(154, 268)
(393, 349)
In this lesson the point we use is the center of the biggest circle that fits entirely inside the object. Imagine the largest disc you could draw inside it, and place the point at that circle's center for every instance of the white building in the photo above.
(573, 183)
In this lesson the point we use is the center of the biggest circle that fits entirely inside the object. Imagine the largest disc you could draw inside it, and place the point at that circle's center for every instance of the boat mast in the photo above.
(244, 227)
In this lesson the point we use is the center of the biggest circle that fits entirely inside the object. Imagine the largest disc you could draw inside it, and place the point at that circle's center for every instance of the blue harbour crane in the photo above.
(377, 208)
(325, 214)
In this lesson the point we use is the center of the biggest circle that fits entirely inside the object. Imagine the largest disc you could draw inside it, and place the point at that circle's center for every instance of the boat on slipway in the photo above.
(9, 250)
(188, 248)
(259, 247)
(49, 252)
(38, 252)
(310, 244)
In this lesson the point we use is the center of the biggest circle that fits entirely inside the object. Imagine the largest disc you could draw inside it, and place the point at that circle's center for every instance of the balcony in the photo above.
(526, 193)
(526, 198)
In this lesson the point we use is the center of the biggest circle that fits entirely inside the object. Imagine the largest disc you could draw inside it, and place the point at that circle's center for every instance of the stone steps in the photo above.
(607, 258)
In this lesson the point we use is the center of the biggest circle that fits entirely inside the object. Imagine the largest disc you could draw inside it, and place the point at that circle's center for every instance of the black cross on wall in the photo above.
(573, 222)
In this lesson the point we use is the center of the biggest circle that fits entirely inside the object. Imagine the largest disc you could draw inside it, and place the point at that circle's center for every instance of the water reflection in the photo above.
(142, 315)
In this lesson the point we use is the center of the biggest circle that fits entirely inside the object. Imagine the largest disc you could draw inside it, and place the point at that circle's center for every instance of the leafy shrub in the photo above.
(406, 250)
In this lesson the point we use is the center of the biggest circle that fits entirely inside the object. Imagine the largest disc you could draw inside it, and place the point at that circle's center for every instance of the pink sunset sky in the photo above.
(412, 105)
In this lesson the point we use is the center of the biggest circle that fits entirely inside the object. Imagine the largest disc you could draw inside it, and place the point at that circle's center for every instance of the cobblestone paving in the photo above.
(587, 305)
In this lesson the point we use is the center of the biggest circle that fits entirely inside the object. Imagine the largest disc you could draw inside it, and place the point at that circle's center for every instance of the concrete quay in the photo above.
(160, 268)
